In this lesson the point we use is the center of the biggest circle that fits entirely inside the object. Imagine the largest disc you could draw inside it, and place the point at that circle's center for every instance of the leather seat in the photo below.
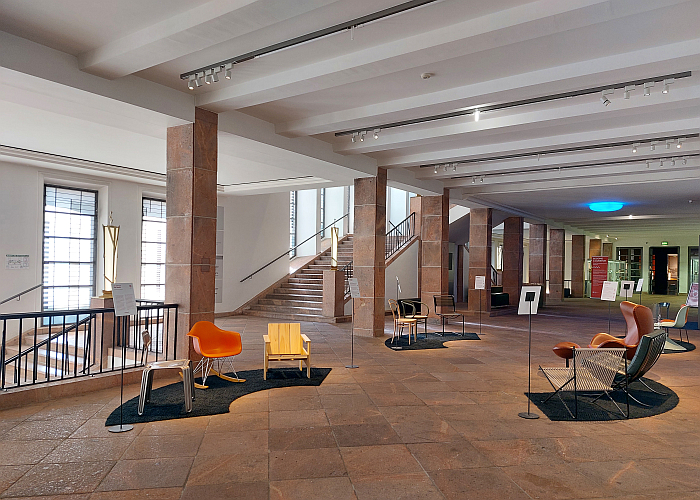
(640, 321)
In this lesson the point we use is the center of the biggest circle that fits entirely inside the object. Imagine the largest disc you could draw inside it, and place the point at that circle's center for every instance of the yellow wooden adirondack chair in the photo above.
(285, 342)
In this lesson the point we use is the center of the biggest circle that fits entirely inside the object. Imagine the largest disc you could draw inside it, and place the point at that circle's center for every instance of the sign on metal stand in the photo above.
(354, 294)
(480, 284)
(609, 293)
(529, 299)
(124, 306)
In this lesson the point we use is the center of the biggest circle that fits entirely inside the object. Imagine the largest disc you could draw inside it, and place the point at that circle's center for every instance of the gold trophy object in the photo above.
(111, 239)
(334, 248)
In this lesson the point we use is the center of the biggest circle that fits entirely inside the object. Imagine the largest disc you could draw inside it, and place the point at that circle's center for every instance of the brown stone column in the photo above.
(513, 258)
(480, 228)
(368, 253)
(459, 275)
(191, 223)
(333, 293)
(595, 247)
(435, 234)
(416, 206)
(578, 261)
(538, 254)
(556, 265)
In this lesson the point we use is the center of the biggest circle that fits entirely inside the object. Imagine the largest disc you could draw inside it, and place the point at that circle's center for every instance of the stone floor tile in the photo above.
(25, 452)
(415, 486)
(147, 494)
(389, 459)
(166, 445)
(70, 412)
(325, 488)
(281, 403)
(215, 469)
(455, 454)
(556, 481)
(88, 450)
(222, 443)
(44, 429)
(147, 473)
(297, 418)
(176, 426)
(227, 491)
(11, 473)
(60, 479)
(350, 416)
(365, 434)
(303, 464)
(477, 484)
(300, 438)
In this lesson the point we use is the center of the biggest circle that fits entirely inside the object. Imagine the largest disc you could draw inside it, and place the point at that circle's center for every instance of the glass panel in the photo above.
(153, 238)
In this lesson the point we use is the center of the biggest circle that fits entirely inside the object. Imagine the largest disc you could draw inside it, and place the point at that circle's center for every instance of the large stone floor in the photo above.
(410, 425)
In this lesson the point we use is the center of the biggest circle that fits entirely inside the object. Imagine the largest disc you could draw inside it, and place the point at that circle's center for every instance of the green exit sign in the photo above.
(664, 243)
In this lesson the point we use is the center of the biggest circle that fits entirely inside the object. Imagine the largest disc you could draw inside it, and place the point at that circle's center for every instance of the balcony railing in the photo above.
(400, 235)
(41, 347)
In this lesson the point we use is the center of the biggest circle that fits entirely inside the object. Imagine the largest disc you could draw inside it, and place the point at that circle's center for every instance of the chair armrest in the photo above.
(266, 338)
(603, 337)
(305, 338)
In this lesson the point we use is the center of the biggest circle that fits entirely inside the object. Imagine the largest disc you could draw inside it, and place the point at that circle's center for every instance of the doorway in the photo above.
(663, 270)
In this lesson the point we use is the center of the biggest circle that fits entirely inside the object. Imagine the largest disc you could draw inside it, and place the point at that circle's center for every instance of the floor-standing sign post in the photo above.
(124, 306)
(354, 294)
(480, 284)
(609, 293)
(529, 300)
(640, 282)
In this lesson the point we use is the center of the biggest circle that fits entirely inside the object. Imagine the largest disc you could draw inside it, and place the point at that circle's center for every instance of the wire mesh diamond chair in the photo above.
(593, 371)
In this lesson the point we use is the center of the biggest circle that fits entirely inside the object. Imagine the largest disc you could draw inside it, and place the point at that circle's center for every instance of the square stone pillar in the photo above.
(333, 293)
(459, 278)
(368, 253)
(595, 247)
(480, 228)
(538, 254)
(435, 234)
(191, 223)
(578, 262)
(513, 258)
(556, 265)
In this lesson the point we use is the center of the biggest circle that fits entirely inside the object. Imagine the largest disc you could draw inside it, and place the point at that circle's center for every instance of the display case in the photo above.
(618, 270)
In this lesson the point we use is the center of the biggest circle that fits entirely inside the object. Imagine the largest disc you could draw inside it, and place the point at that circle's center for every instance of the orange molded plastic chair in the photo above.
(640, 321)
(214, 345)
(285, 342)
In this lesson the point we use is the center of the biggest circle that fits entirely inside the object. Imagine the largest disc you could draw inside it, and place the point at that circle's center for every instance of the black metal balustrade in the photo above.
(400, 235)
(40, 347)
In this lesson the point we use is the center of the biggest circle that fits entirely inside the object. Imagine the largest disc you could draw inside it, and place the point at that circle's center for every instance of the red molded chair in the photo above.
(214, 345)
(640, 321)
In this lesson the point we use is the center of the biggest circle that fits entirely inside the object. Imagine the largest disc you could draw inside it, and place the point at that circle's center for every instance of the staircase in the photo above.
(300, 297)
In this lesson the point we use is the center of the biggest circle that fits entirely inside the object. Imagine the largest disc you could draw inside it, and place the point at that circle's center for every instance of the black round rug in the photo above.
(429, 341)
(603, 409)
(167, 402)
(669, 348)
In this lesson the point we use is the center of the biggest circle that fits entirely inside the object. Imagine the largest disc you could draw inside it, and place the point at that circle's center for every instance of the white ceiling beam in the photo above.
(510, 26)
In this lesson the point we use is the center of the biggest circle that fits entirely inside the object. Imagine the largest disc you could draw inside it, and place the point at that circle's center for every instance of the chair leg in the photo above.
(301, 365)
(308, 367)
(142, 394)
(267, 363)
(186, 385)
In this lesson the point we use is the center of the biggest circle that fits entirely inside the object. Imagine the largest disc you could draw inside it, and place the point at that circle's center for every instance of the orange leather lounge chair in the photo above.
(214, 345)
(640, 321)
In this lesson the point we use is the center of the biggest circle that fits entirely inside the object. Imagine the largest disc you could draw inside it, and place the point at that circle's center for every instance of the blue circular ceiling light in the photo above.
(606, 206)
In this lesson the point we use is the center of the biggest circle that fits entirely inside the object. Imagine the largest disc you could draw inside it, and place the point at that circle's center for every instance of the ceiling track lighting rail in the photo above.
(683, 159)
(678, 138)
(227, 64)
(604, 90)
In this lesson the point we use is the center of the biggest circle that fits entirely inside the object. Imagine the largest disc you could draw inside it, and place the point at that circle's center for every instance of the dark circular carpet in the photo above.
(603, 409)
(429, 341)
(671, 346)
(167, 402)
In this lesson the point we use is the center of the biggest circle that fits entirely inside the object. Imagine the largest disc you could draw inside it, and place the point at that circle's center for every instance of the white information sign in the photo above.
(529, 299)
(13, 261)
(480, 282)
(354, 288)
(609, 291)
(124, 299)
(639, 285)
(626, 289)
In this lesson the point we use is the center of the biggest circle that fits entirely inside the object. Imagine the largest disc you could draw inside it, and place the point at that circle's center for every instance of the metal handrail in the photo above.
(17, 296)
(295, 247)
(395, 242)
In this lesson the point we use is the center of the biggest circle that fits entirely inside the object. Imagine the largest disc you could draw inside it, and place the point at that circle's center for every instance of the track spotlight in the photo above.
(200, 80)
(685, 161)
(648, 164)
(667, 82)
(673, 162)
(362, 136)
(215, 77)
(207, 79)
(477, 113)
(376, 133)
(227, 70)
(354, 137)
(190, 83)
(653, 146)
(647, 88)
(446, 165)
(679, 143)
(628, 89)
(661, 163)
(668, 144)
(473, 180)
(604, 99)
(435, 169)
(482, 179)
(454, 167)
(634, 148)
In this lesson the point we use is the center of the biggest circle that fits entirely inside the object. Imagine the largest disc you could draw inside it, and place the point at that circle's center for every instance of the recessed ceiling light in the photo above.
(606, 206)
(426, 76)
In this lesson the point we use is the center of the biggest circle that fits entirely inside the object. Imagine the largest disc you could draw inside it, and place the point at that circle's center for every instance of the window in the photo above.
(70, 244)
(323, 213)
(153, 249)
(292, 223)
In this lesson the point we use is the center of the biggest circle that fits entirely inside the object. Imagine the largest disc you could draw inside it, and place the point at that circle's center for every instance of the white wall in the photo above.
(307, 224)
(256, 230)
(397, 203)
(405, 266)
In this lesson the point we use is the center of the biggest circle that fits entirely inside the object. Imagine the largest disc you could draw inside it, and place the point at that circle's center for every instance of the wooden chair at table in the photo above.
(401, 321)
(285, 342)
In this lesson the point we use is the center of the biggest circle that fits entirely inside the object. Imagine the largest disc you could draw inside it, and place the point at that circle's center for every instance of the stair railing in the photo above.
(286, 253)
(18, 296)
(400, 235)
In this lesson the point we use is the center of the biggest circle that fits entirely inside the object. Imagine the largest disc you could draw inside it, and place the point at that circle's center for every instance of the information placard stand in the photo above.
(124, 307)
(480, 284)
(609, 293)
(640, 283)
(355, 293)
(529, 295)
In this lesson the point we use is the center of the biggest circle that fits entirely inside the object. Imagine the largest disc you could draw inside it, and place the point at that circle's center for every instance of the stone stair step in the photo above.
(271, 301)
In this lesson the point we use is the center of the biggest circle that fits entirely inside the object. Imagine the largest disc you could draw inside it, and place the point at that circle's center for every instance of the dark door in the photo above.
(658, 268)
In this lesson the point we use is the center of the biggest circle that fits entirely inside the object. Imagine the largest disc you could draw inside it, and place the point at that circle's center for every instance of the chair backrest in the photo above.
(207, 338)
(645, 322)
(444, 301)
(648, 352)
(285, 338)
(394, 306)
(146, 344)
(407, 308)
(681, 317)
(627, 309)
(595, 368)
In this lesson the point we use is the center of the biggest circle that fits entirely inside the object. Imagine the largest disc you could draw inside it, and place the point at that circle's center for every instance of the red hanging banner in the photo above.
(599, 274)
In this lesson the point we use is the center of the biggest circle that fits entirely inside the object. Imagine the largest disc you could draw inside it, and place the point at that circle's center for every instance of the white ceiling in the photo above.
(280, 113)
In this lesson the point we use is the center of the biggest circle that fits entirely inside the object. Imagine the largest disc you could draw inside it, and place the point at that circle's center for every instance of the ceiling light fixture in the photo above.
(667, 82)
(606, 206)
(376, 133)
(634, 148)
(454, 167)
(227, 70)
(190, 82)
(338, 28)
(354, 137)
(473, 180)
(606, 90)
(482, 179)
(477, 113)
(647, 88)
(435, 170)
(604, 99)
(685, 161)
(628, 89)
(679, 143)
(661, 163)
(362, 136)
(668, 144)
(653, 146)
(200, 79)
(673, 162)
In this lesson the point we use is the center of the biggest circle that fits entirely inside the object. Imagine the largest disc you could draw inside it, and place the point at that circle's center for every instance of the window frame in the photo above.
(141, 284)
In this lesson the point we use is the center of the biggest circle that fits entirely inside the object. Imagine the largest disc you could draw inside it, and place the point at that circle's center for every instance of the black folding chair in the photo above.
(443, 302)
